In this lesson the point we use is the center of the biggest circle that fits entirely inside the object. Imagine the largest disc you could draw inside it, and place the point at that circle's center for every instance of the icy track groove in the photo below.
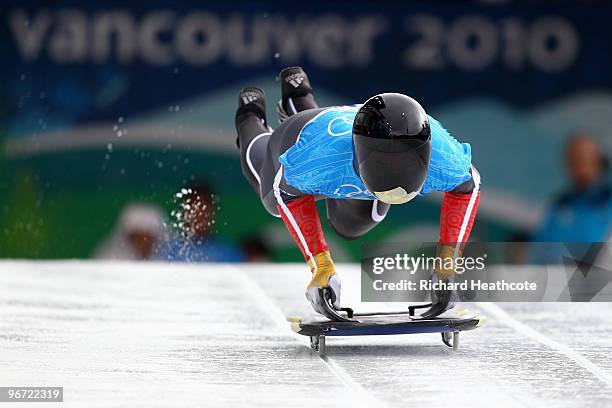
(125, 334)
(269, 307)
(503, 316)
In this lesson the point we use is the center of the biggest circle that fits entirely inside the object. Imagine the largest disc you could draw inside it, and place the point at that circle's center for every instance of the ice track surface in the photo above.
(125, 334)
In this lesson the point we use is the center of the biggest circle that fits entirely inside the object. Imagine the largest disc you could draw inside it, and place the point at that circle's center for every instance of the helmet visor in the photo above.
(401, 173)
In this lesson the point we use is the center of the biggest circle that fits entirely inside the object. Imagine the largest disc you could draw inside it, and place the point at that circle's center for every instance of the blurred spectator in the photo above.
(195, 240)
(137, 236)
(583, 213)
(256, 250)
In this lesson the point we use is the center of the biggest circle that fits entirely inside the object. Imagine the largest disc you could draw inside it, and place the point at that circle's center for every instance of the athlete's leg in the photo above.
(297, 95)
(253, 134)
(352, 218)
(281, 139)
(260, 149)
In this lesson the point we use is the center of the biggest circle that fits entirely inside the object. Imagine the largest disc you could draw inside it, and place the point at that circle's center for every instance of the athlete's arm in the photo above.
(459, 208)
(450, 171)
(301, 218)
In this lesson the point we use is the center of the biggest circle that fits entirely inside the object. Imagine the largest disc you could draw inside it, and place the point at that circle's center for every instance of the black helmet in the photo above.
(392, 140)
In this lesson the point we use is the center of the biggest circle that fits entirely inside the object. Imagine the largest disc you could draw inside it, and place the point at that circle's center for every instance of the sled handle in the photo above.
(331, 311)
(412, 308)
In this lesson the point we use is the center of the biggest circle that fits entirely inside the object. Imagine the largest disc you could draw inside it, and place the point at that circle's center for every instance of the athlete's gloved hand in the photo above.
(443, 300)
(323, 276)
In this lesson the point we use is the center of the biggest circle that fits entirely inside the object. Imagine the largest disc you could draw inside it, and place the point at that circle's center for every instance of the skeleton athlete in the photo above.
(360, 159)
